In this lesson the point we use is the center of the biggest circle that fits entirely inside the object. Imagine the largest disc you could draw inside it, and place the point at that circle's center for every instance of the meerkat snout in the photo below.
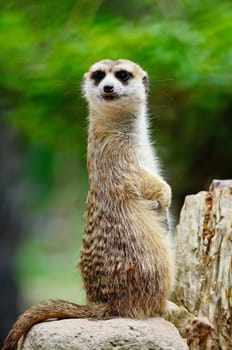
(108, 89)
(109, 92)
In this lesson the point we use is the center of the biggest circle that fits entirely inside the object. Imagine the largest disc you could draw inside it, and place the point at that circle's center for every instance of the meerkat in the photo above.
(126, 258)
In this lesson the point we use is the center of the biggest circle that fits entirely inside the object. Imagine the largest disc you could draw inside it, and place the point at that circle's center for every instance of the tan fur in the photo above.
(126, 261)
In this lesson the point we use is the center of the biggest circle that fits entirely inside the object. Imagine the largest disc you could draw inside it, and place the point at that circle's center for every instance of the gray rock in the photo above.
(118, 333)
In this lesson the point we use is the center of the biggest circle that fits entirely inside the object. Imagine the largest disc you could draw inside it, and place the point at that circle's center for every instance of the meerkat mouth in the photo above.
(113, 97)
(110, 97)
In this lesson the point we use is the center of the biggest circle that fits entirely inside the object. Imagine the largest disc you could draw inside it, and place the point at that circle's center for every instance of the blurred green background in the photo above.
(45, 48)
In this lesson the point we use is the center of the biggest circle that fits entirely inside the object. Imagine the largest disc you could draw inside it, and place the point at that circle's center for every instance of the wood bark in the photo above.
(204, 264)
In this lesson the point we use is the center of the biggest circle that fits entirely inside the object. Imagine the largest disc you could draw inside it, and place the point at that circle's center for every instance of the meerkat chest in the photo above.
(145, 151)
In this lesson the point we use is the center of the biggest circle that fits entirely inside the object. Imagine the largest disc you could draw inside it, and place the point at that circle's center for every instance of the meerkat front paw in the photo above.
(163, 194)
(156, 189)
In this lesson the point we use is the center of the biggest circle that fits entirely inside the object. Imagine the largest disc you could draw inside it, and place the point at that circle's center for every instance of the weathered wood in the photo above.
(220, 184)
(204, 262)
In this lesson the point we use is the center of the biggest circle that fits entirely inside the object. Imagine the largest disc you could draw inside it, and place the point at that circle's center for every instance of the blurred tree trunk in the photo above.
(204, 262)
(10, 228)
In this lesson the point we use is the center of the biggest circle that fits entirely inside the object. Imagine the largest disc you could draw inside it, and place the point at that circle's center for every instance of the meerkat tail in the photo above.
(53, 309)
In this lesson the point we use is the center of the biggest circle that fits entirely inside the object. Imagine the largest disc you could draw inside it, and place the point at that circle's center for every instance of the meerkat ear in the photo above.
(146, 82)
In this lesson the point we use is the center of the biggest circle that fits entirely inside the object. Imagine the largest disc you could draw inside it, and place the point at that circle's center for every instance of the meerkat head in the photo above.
(111, 86)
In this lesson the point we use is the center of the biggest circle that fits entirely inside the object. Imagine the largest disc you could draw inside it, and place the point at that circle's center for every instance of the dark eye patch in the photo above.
(98, 75)
(123, 75)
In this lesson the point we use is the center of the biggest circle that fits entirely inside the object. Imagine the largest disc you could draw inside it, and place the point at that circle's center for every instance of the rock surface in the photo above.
(118, 333)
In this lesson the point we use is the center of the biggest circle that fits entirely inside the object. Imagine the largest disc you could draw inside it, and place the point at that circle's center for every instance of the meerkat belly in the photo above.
(119, 265)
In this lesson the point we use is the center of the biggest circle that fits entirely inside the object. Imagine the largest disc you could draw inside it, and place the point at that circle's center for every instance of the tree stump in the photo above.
(204, 262)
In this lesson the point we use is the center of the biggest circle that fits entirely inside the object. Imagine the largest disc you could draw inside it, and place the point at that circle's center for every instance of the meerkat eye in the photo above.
(98, 75)
(123, 75)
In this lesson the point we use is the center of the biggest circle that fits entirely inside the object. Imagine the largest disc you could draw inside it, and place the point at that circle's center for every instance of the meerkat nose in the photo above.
(108, 89)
